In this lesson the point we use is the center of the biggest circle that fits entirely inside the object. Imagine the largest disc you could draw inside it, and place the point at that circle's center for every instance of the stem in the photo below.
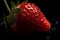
(7, 6)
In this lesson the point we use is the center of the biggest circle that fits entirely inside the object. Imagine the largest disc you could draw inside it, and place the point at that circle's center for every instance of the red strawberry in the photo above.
(31, 19)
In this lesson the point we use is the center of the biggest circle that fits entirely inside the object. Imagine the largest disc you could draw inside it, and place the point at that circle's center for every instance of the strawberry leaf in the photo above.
(13, 5)
(10, 19)
(17, 10)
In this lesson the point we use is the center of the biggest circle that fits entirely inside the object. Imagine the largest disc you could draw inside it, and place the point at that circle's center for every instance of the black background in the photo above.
(51, 10)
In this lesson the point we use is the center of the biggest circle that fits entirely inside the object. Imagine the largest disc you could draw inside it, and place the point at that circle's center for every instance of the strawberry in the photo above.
(30, 19)
(27, 17)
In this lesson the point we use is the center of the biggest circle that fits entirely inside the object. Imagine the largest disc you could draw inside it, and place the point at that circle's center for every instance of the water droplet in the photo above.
(56, 22)
(47, 37)
(52, 29)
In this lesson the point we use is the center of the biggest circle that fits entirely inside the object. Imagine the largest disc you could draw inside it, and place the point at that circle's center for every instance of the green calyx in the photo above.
(10, 17)
(14, 8)
(12, 11)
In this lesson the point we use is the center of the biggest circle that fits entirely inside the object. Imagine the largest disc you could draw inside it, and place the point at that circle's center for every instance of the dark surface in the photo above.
(49, 8)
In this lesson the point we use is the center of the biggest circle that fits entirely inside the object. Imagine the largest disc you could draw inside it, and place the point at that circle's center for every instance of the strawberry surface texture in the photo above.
(30, 19)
